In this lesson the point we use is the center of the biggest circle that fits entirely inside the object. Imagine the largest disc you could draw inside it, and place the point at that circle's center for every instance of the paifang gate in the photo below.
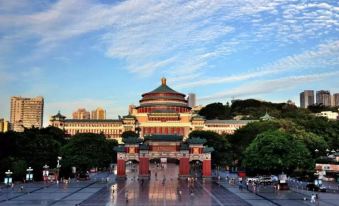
(163, 146)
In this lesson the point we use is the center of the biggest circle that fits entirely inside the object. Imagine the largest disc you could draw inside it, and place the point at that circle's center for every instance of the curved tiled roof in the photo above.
(163, 97)
(163, 88)
(59, 115)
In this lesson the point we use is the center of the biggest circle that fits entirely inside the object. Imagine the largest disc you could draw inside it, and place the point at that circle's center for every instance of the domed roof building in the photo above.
(163, 100)
(163, 111)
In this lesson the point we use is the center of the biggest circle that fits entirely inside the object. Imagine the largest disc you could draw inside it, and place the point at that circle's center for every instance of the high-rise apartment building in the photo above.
(306, 98)
(324, 97)
(191, 100)
(81, 113)
(336, 99)
(99, 113)
(4, 125)
(26, 112)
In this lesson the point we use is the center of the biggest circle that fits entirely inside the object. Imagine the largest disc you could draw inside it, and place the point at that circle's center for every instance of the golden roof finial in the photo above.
(163, 81)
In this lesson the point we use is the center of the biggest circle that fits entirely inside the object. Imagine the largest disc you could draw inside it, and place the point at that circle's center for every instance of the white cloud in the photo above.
(142, 32)
(325, 55)
(269, 86)
(147, 34)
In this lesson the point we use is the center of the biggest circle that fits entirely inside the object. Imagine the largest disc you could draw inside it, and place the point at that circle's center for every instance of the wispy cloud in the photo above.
(180, 39)
(142, 32)
(269, 86)
(325, 55)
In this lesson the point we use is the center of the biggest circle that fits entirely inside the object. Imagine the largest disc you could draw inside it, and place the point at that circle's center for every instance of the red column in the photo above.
(184, 166)
(121, 169)
(143, 166)
(206, 168)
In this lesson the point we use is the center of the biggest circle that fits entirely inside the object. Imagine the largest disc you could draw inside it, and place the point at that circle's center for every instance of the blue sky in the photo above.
(92, 53)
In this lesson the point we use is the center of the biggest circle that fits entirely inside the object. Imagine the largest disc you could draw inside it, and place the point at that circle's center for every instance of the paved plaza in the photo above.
(164, 188)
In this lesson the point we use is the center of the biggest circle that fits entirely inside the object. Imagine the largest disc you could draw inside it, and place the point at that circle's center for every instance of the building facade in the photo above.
(26, 112)
(328, 114)
(162, 111)
(4, 125)
(81, 113)
(191, 100)
(336, 99)
(324, 97)
(99, 113)
(161, 148)
(306, 98)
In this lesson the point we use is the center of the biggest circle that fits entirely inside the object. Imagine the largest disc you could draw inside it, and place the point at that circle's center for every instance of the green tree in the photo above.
(254, 109)
(37, 151)
(243, 137)
(221, 154)
(215, 111)
(312, 141)
(87, 150)
(276, 151)
(19, 169)
(33, 148)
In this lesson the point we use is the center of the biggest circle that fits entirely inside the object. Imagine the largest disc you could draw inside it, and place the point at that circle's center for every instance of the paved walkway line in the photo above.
(322, 200)
(210, 194)
(72, 193)
(25, 193)
(270, 201)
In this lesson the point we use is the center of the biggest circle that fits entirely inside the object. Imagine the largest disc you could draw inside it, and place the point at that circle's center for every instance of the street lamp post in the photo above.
(45, 172)
(8, 179)
(29, 175)
(58, 166)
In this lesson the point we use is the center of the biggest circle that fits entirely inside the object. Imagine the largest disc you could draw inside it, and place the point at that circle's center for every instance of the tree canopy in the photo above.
(276, 151)
(215, 111)
(33, 147)
(221, 153)
(87, 150)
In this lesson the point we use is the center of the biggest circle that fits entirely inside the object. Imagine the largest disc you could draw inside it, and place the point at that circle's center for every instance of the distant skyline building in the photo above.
(81, 113)
(4, 125)
(26, 112)
(130, 108)
(306, 98)
(324, 97)
(336, 99)
(191, 100)
(99, 113)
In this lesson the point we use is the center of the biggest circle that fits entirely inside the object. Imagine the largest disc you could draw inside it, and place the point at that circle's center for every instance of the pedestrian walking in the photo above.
(254, 187)
(126, 196)
(313, 199)
(317, 199)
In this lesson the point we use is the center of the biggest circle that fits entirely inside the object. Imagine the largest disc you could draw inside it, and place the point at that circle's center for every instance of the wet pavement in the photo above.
(164, 190)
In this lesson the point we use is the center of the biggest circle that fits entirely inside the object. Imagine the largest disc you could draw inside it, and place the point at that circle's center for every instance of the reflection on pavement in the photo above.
(163, 188)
